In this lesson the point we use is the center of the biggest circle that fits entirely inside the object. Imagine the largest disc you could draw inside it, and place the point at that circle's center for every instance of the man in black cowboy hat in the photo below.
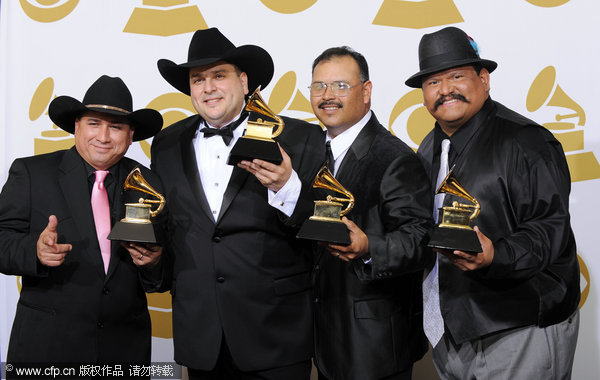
(82, 301)
(241, 289)
(510, 311)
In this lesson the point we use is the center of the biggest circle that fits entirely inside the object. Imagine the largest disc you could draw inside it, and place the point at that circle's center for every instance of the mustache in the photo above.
(442, 99)
(329, 103)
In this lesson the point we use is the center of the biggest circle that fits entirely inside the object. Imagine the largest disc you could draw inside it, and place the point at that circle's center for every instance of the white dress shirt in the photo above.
(211, 157)
(341, 143)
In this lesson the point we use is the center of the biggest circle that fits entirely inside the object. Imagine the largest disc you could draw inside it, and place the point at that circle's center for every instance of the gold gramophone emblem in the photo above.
(258, 141)
(459, 215)
(137, 226)
(326, 224)
(262, 129)
(454, 231)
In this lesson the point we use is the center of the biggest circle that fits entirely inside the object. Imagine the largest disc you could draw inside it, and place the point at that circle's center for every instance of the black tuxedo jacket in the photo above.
(368, 317)
(244, 277)
(74, 312)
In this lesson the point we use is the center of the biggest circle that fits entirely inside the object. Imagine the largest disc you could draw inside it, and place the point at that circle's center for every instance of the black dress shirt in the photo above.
(518, 172)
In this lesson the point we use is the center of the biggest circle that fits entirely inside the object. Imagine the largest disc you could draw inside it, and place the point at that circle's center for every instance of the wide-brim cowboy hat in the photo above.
(106, 95)
(447, 48)
(209, 46)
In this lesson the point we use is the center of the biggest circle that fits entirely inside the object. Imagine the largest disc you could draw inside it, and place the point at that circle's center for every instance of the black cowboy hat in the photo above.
(106, 95)
(209, 46)
(444, 49)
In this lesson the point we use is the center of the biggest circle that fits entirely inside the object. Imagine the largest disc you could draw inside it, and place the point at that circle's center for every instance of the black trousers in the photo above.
(404, 375)
(225, 369)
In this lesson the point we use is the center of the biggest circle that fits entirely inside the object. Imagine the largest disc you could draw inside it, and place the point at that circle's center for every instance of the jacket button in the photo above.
(316, 300)
(220, 279)
(105, 291)
(216, 239)
(100, 325)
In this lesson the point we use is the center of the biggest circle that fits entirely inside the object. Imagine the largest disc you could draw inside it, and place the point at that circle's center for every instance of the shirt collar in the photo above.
(342, 142)
(460, 139)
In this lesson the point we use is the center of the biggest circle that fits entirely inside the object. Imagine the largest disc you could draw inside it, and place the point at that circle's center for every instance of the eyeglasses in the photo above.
(338, 88)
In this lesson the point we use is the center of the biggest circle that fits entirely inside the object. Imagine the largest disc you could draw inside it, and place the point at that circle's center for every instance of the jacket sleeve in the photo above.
(306, 162)
(18, 244)
(537, 190)
(398, 225)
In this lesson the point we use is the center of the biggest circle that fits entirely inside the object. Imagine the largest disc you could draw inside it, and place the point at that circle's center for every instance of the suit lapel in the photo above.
(238, 177)
(74, 185)
(117, 209)
(190, 166)
(359, 149)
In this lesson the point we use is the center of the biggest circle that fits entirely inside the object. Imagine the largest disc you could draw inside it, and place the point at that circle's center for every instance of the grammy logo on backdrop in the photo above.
(258, 141)
(326, 224)
(454, 232)
(136, 226)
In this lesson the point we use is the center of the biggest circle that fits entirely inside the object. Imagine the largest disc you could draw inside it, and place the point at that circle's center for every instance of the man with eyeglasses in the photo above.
(367, 295)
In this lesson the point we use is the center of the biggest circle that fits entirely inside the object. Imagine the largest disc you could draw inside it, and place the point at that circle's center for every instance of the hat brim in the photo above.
(415, 81)
(255, 61)
(64, 110)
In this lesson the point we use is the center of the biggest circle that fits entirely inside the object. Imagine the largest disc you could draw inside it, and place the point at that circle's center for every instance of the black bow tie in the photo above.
(225, 132)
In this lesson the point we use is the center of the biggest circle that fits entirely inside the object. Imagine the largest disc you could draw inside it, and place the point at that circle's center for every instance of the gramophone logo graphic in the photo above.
(165, 18)
(54, 138)
(568, 124)
(417, 14)
(47, 10)
(285, 96)
(410, 112)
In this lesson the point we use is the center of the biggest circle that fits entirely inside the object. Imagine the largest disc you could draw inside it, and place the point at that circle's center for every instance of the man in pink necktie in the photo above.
(82, 299)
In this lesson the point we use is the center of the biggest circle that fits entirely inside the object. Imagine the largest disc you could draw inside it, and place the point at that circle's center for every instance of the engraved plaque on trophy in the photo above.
(454, 231)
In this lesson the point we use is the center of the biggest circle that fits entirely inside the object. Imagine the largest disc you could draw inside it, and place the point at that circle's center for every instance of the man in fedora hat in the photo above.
(241, 287)
(368, 318)
(82, 300)
(511, 310)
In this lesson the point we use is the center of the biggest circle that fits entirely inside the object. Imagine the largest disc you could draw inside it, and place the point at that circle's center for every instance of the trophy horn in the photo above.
(135, 181)
(326, 180)
(450, 185)
(257, 104)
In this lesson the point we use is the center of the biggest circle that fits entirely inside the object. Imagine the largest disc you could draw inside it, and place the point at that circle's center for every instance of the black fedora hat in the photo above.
(444, 49)
(106, 95)
(209, 46)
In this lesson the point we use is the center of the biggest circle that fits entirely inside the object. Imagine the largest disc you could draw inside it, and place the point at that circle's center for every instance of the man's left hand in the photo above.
(359, 243)
(469, 261)
(272, 176)
(143, 255)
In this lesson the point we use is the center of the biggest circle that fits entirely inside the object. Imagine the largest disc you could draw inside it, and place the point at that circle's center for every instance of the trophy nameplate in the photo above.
(258, 141)
(326, 223)
(137, 225)
(454, 231)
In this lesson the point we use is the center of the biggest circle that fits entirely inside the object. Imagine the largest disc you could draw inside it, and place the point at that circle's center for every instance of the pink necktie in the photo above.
(101, 212)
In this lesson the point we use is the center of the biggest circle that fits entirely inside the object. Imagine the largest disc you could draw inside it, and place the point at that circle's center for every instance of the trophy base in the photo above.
(331, 232)
(247, 148)
(134, 232)
(455, 239)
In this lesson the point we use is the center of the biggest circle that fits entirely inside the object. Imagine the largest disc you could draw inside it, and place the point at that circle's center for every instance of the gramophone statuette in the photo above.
(137, 226)
(258, 141)
(454, 231)
(326, 224)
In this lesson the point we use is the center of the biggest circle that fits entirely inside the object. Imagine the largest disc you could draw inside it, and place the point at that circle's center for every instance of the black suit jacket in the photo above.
(74, 312)
(245, 276)
(368, 317)
(517, 171)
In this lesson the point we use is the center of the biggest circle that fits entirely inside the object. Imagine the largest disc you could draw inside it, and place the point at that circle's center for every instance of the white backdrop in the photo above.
(544, 48)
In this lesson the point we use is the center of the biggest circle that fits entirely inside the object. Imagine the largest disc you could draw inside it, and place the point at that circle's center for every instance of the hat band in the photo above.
(446, 58)
(108, 108)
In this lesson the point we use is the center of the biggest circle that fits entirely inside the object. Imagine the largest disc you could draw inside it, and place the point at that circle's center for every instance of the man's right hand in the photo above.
(49, 252)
